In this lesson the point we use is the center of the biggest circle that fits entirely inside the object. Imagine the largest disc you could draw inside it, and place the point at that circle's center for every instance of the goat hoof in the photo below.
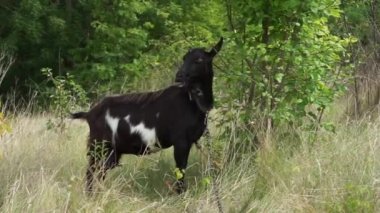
(180, 187)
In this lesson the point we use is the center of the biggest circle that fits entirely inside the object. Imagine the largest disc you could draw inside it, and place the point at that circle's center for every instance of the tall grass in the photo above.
(42, 169)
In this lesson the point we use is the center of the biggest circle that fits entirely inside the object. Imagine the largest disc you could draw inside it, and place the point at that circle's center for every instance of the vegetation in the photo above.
(43, 170)
(295, 127)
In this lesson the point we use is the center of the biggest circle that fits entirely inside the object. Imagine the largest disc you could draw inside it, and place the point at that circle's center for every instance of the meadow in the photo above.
(42, 170)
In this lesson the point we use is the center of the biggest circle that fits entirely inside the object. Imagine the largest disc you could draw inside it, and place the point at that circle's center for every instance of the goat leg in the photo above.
(181, 155)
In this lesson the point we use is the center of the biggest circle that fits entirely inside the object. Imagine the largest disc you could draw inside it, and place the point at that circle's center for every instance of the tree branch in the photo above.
(6, 61)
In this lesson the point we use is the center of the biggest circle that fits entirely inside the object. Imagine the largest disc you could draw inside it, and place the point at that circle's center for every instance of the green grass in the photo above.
(42, 170)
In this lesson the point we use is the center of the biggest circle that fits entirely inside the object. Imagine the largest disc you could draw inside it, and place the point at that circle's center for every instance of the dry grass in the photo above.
(42, 170)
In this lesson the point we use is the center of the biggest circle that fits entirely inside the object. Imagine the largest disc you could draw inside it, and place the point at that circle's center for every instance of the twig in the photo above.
(6, 61)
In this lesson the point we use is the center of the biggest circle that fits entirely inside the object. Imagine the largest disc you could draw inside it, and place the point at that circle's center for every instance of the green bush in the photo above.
(64, 96)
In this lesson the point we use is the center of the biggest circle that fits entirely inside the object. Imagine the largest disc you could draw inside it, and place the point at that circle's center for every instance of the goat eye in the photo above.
(198, 92)
(199, 60)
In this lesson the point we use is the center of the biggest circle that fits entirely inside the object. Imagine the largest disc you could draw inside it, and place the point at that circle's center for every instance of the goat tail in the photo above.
(79, 115)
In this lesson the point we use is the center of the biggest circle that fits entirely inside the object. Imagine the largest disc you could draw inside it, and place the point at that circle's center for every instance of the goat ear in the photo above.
(217, 47)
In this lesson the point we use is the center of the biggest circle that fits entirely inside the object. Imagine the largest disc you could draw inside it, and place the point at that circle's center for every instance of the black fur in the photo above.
(79, 115)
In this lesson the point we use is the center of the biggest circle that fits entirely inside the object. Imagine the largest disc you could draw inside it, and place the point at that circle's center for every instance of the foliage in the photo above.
(64, 96)
(115, 40)
(284, 58)
(105, 45)
(283, 61)
(362, 19)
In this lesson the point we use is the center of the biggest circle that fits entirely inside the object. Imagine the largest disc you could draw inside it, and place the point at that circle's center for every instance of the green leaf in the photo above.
(279, 77)
(206, 181)
(335, 12)
(329, 127)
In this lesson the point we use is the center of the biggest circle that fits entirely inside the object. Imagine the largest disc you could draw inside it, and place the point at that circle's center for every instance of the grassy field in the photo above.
(42, 170)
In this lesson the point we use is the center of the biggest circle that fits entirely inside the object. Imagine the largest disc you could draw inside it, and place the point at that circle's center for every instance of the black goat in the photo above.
(145, 122)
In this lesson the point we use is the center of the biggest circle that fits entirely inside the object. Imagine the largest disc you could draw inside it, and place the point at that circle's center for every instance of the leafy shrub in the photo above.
(65, 95)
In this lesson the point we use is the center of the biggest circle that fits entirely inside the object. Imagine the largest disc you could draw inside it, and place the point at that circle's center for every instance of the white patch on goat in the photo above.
(147, 135)
(157, 114)
(112, 122)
